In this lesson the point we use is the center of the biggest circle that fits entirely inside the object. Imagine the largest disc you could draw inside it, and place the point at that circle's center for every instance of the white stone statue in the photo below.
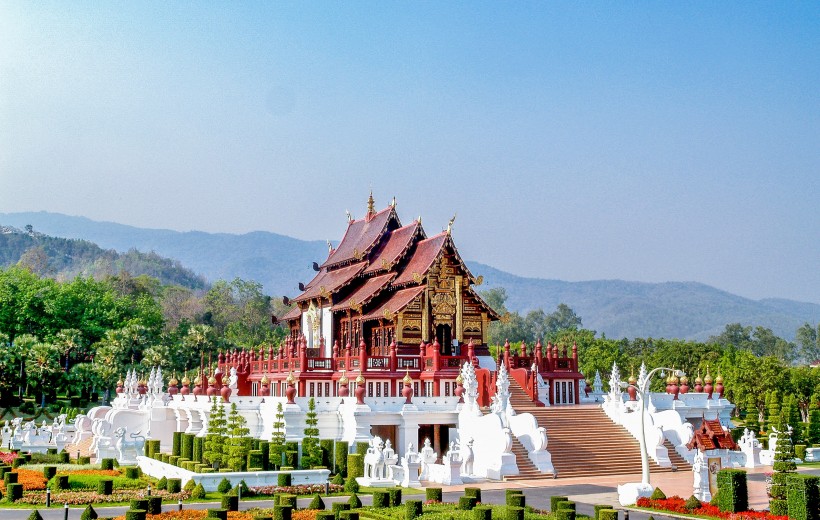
(700, 470)
(410, 464)
(428, 457)
(467, 458)
(374, 465)
(233, 379)
(128, 450)
(751, 448)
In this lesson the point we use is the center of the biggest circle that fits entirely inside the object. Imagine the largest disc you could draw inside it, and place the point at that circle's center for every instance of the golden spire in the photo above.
(265, 379)
(450, 224)
(343, 379)
(290, 378)
(407, 379)
(360, 378)
(371, 204)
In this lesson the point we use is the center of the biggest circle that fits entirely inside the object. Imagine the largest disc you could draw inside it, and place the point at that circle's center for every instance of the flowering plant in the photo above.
(300, 489)
(7, 457)
(88, 497)
(676, 504)
(194, 514)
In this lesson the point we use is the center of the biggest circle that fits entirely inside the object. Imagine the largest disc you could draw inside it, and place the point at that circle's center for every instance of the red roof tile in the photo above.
(398, 301)
(292, 314)
(426, 253)
(330, 281)
(394, 248)
(710, 436)
(360, 237)
(365, 292)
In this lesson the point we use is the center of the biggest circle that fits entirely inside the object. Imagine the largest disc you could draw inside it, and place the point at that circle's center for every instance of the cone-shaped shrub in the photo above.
(162, 483)
(658, 494)
(317, 502)
(174, 485)
(88, 513)
(198, 492)
(35, 515)
(354, 501)
(338, 479)
(224, 486)
(190, 485)
(351, 485)
(692, 503)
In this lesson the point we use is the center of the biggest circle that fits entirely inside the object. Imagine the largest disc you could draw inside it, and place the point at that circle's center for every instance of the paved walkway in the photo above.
(586, 492)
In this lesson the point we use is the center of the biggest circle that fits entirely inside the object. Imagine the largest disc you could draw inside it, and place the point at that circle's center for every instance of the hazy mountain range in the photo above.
(614, 307)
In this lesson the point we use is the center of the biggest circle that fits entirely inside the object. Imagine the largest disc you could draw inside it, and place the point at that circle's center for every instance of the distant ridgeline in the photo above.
(67, 258)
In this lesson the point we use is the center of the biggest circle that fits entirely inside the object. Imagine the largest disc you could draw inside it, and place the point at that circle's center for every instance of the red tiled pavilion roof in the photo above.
(395, 247)
(366, 292)
(398, 301)
(360, 237)
(426, 253)
(292, 314)
(711, 436)
(330, 281)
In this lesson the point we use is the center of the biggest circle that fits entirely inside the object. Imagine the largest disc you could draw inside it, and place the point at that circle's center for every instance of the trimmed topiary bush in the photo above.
(565, 514)
(519, 501)
(89, 513)
(338, 479)
(340, 450)
(361, 448)
(692, 503)
(35, 515)
(255, 459)
(281, 512)
(325, 515)
(732, 495)
(61, 482)
(598, 508)
(49, 471)
(349, 515)
(658, 494)
(135, 514)
(473, 492)
(381, 498)
(316, 503)
(198, 492)
(554, 501)
(162, 483)
(433, 494)
(132, 472)
(84, 461)
(105, 486)
(14, 491)
(338, 507)
(154, 505)
(292, 459)
(176, 446)
(608, 514)
(803, 497)
(514, 513)
(139, 503)
(283, 479)
(566, 504)
(230, 502)
(395, 496)
(187, 446)
(199, 448)
(11, 478)
(482, 513)
(219, 514)
(326, 445)
(286, 499)
(467, 503)
(355, 465)
(224, 486)
(351, 486)
(354, 501)
(412, 509)
(63, 457)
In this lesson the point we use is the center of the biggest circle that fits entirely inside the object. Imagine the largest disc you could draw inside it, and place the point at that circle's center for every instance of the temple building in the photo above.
(391, 305)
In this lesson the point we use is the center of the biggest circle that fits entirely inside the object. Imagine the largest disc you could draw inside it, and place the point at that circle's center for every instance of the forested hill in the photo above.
(686, 310)
(67, 258)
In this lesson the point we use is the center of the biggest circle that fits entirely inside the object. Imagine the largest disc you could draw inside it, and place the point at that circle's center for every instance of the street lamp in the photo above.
(643, 391)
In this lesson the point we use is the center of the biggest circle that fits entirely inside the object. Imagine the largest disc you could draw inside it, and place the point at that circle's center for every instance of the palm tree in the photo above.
(43, 362)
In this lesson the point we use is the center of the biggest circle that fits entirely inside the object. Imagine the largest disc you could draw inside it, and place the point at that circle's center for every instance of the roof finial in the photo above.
(329, 247)
(349, 216)
(371, 204)
(393, 203)
(419, 219)
(450, 225)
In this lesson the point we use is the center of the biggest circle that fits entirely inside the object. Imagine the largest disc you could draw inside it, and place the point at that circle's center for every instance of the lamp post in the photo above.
(643, 391)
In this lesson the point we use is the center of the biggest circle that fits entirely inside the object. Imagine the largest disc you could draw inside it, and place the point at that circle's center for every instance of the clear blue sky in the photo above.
(646, 141)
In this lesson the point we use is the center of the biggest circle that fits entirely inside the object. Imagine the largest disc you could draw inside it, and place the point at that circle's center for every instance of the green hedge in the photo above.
(354, 501)
(105, 486)
(412, 509)
(154, 505)
(264, 448)
(199, 448)
(151, 447)
(230, 502)
(381, 498)
(732, 495)
(565, 514)
(292, 458)
(59, 482)
(803, 497)
(361, 448)
(49, 471)
(219, 514)
(14, 491)
(473, 492)
(107, 464)
(482, 513)
(135, 514)
(433, 494)
(132, 472)
(283, 479)
(340, 451)
(176, 446)
(325, 515)
(174, 485)
(517, 501)
(395, 496)
(139, 503)
(608, 514)
(554, 502)
(514, 513)
(84, 461)
(187, 446)
(281, 512)
(467, 503)
(598, 508)
(326, 445)
(566, 504)
(349, 515)
(337, 508)
(10, 477)
(287, 499)
(355, 465)
(255, 459)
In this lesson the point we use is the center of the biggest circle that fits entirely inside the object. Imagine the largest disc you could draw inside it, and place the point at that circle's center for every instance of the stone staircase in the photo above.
(83, 448)
(583, 441)
(678, 462)
(526, 469)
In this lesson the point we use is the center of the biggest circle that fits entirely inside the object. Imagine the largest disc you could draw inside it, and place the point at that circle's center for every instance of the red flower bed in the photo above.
(676, 504)
(7, 457)
(300, 489)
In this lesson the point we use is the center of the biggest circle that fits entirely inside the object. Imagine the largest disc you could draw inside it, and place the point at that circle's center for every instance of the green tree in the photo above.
(311, 452)
(43, 364)
(277, 445)
(238, 442)
(783, 468)
(563, 318)
(808, 341)
(11, 365)
(214, 453)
